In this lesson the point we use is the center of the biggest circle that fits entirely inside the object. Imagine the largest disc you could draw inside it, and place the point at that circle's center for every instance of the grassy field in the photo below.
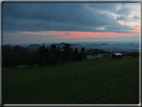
(98, 81)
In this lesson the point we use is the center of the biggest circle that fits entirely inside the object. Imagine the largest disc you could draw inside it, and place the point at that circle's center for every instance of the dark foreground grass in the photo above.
(98, 81)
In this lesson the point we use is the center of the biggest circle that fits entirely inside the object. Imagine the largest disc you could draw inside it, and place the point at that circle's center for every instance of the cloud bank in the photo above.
(65, 17)
(68, 20)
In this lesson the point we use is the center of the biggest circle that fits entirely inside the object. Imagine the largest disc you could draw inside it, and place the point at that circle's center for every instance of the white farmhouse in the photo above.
(93, 54)
(116, 55)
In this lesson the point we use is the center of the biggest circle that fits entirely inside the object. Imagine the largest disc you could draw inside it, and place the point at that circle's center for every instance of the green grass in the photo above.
(98, 81)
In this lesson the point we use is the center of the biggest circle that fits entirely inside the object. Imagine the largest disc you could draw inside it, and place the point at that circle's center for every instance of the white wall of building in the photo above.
(99, 55)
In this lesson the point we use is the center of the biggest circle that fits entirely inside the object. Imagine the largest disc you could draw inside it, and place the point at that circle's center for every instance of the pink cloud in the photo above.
(97, 35)
(77, 34)
(46, 33)
(136, 29)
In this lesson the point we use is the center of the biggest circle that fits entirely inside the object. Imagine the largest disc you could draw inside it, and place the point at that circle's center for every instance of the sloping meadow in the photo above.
(97, 81)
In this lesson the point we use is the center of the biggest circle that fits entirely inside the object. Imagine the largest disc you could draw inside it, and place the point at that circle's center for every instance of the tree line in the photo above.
(44, 56)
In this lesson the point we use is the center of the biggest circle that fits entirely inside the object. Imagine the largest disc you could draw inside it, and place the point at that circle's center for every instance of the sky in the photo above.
(70, 22)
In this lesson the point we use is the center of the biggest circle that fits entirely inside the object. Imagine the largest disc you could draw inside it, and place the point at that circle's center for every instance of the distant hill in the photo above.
(76, 44)
(93, 44)
(57, 44)
(131, 43)
(104, 44)
(61, 45)
(33, 46)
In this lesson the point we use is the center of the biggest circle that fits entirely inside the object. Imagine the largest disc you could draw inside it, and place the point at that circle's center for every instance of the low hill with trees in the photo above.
(35, 54)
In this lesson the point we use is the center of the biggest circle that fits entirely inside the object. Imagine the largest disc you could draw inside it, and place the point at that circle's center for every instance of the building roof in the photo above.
(117, 53)
(92, 52)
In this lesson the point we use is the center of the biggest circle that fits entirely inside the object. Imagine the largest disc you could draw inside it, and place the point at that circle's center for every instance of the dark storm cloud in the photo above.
(124, 11)
(121, 18)
(135, 17)
(60, 17)
(104, 6)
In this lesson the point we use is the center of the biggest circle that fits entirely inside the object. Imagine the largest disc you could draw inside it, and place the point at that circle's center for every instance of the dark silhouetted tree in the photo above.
(78, 56)
(6, 55)
(54, 54)
(76, 51)
(43, 55)
(59, 53)
(42, 48)
(82, 49)
(68, 50)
